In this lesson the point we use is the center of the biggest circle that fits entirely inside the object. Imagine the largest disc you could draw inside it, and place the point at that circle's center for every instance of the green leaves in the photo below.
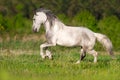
(111, 26)
(85, 19)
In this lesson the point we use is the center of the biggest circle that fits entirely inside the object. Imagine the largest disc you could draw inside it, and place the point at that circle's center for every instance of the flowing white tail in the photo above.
(105, 41)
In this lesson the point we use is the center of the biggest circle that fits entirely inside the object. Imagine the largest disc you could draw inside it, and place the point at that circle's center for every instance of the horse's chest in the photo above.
(50, 37)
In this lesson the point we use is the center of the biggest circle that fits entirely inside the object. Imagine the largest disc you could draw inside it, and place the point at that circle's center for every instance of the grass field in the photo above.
(30, 66)
(19, 46)
(20, 60)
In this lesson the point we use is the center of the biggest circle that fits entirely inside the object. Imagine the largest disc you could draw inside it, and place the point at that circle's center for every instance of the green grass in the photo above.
(62, 67)
(21, 61)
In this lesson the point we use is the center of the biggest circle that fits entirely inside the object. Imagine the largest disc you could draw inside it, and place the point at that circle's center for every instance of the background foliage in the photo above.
(98, 15)
(19, 46)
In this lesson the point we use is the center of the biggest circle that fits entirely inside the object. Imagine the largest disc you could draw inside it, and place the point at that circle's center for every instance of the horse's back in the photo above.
(75, 36)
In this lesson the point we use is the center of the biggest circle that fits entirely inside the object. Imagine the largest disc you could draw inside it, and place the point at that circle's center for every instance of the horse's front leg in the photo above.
(47, 53)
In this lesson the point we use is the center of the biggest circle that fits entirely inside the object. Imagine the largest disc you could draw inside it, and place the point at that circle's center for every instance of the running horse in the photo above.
(57, 33)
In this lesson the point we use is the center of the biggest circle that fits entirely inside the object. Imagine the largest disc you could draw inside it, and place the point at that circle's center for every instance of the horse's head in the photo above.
(39, 18)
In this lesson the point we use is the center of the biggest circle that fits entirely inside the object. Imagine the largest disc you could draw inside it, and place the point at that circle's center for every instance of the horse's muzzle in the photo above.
(34, 29)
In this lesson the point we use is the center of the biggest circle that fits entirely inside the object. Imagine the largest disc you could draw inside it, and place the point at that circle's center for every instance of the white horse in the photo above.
(58, 33)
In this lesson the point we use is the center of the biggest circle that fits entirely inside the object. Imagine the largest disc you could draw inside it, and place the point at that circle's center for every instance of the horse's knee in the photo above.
(42, 46)
(95, 54)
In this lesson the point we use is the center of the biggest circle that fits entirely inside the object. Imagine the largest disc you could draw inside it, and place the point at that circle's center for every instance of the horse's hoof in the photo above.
(78, 62)
(50, 58)
(48, 54)
(43, 57)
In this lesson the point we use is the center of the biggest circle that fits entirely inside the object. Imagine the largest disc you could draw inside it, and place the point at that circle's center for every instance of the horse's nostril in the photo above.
(35, 30)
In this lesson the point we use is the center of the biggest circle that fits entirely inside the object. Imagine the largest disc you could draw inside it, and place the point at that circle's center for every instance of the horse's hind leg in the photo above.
(95, 54)
(82, 56)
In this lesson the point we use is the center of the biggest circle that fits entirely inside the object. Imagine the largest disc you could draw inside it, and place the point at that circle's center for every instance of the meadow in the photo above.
(19, 50)
(21, 60)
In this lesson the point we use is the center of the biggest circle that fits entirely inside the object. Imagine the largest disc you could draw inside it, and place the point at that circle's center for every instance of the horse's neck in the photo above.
(47, 26)
(58, 25)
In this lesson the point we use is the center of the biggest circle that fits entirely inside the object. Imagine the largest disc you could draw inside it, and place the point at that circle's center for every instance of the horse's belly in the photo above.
(68, 41)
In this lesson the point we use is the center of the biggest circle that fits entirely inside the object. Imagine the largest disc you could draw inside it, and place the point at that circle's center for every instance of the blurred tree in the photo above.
(99, 8)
